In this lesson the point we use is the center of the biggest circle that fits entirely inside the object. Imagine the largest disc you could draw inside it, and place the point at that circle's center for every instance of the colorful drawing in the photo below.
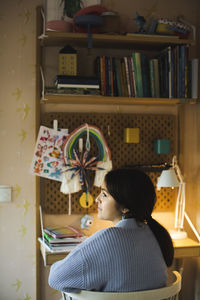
(48, 158)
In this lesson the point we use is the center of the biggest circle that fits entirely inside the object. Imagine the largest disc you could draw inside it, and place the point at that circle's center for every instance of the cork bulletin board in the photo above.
(112, 125)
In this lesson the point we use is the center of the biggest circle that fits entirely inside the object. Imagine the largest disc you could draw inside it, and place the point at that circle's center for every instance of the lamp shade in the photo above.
(168, 178)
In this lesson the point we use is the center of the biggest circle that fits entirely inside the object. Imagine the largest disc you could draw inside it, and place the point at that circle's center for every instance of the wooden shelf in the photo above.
(84, 99)
(138, 41)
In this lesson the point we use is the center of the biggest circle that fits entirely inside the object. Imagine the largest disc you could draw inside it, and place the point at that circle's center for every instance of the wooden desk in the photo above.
(183, 248)
(186, 248)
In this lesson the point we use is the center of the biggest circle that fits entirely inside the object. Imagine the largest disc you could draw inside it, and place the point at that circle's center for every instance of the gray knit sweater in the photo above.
(122, 258)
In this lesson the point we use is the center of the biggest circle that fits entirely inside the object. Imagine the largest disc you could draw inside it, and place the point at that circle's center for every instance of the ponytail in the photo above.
(133, 189)
(164, 240)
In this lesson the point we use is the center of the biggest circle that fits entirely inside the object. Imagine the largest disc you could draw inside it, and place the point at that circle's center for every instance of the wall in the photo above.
(17, 131)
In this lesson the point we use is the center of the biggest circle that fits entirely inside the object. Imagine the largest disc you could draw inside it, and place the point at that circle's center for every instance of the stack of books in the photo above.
(84, 85)
(61, 239)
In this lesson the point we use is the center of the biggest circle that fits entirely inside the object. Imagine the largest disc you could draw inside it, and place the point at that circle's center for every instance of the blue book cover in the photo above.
(116, 78)
(145, 75)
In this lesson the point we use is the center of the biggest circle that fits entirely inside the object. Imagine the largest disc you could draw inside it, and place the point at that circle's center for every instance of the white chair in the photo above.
(170, 292)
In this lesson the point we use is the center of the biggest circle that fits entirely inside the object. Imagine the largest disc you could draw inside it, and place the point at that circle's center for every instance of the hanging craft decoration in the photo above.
(48, 159)
(75, 176)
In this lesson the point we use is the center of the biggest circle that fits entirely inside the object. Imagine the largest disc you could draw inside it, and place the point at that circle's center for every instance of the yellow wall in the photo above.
(17, 131)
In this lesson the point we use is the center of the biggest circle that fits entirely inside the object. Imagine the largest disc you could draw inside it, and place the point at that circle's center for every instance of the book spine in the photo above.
(139, 74)
(124, 81)
(117, 78)
(84, 86)
(130, 68)
(135, 75)
(145, 76)
(106, 77)
(127, 76)
(47, 237)
(134, 79)
(186, 70)
(194, 77)
(156, 78)
(111, 78)
(172, 74)
(175, 71)
(170, 71)
(102, 75)
(152, 78)
(182, 70)
(119, 65)
(178, 72)
(164, 73)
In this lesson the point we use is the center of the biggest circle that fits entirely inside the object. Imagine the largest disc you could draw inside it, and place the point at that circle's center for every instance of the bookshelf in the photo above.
(187, 248)
(139, 42)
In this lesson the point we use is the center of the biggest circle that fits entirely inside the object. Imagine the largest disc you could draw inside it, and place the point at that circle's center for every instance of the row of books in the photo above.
(61, 239)
(169, 75)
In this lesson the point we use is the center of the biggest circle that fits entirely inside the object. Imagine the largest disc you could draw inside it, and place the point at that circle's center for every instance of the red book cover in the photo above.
(62, 232)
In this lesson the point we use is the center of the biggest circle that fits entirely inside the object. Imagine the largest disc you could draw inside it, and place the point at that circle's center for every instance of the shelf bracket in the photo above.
(43, 83)
(43, 35)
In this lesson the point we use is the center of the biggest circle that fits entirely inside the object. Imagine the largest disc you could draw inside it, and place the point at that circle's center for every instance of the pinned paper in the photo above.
(48, 158)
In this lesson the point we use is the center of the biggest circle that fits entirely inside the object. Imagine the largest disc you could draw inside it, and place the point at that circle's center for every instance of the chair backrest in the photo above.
(171, 291)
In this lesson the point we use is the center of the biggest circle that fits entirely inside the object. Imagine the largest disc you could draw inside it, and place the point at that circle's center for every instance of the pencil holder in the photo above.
(162, 146)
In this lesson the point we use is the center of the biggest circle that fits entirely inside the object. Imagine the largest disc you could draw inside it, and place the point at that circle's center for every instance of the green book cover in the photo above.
(136, 75)
(139, 73)
(47, 237)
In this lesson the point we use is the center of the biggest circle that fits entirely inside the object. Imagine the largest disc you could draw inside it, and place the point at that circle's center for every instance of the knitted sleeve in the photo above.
(69, 274)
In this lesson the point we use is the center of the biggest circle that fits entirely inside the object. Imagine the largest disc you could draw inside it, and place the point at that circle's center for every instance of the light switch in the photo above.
(5, 193)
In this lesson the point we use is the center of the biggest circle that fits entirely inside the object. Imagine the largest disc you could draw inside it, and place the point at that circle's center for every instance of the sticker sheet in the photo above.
(48, 159)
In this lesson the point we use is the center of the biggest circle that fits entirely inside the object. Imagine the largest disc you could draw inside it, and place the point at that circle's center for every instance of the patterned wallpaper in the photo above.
(17, 133)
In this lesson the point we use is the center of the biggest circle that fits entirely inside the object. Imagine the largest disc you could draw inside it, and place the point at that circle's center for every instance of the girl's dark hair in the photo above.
(134, 190)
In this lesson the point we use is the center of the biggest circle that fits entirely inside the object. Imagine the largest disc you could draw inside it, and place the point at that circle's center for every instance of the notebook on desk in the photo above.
(61, 249)
(52, 248)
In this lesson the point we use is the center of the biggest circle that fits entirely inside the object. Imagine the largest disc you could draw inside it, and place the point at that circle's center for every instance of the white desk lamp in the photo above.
(173, 178)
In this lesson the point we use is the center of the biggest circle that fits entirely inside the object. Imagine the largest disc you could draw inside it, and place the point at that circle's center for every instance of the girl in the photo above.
(132, 255)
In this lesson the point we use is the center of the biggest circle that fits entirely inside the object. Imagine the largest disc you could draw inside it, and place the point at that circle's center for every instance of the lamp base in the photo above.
(178, 234)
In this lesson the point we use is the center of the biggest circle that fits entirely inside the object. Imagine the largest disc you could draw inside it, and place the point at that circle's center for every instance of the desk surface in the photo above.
(183, 248)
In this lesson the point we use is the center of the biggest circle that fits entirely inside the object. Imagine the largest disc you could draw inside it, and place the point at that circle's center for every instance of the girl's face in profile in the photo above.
(107, 208)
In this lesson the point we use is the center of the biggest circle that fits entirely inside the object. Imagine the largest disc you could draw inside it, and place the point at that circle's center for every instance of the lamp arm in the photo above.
(176, 167)
(178, 171)
(180, 207)
(192, 226)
